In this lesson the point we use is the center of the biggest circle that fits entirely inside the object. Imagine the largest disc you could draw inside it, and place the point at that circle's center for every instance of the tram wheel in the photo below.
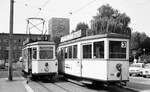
(97, 83)
(144, 76)
(52, 78)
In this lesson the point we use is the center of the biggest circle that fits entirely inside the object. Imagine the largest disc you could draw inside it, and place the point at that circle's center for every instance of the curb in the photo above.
(27, 87)
(134, 89)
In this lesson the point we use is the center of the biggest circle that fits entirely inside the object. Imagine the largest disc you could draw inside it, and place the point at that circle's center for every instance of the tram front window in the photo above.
(46, 53)
(117, 49)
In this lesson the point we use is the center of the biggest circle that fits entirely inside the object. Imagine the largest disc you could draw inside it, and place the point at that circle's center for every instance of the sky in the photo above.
(76, 10)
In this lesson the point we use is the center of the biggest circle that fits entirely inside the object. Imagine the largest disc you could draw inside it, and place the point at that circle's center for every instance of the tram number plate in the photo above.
(112, 74)
(123, 44)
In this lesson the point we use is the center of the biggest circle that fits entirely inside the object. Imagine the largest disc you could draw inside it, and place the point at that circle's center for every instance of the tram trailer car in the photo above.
(38, 59)
(99, 58)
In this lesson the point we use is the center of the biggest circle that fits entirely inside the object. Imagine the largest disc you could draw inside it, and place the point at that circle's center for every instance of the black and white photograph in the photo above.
(75, 46)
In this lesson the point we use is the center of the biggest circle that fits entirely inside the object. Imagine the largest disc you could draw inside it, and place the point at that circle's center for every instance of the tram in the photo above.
(38, 59)
(98, 58)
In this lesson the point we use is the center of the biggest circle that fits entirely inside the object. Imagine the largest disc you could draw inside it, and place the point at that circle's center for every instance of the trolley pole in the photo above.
(10, 40)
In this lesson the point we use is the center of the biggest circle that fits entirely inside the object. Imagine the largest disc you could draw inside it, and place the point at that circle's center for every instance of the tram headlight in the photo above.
(118, 74)
(56, 64)
(46, 69)
(118, 67)
(46, 64)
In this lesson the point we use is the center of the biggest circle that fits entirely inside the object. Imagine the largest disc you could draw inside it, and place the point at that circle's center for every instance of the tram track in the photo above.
(53, 87)
(54, 84)
(43, 85)
(70, 85)
(63, 86)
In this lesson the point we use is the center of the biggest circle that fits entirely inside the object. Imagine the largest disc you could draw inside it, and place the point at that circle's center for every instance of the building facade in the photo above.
(18, 40)
(58, 27)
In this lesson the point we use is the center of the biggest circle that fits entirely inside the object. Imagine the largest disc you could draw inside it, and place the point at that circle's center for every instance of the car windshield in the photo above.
(147, 66)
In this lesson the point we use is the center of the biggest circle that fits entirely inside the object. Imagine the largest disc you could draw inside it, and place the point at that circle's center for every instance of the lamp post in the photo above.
(10, 40)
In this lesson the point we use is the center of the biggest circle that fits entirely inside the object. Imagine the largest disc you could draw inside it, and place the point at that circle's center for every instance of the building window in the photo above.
(7, 48)
(15, 47)
(87, 51)
(19, 47)
(99, 49)
(19, 40)
(117, 49)
(6, 41)
(6, 54)
(15, 41)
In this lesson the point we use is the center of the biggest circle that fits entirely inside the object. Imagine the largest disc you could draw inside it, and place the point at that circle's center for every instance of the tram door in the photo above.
(76, 63)
(93, 64)
(29, 59)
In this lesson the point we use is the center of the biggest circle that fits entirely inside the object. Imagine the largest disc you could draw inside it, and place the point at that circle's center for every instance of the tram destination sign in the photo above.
(72, 36)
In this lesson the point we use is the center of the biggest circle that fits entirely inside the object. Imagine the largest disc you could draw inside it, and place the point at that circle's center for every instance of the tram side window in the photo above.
(30, 53)
(70, 51)
(66, 52)
(87, 51)
(34, 56)
(117, 49)
(26, 53)
(99, 49)
(74, 51)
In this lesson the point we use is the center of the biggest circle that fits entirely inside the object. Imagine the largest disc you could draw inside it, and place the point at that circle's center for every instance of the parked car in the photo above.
(136, 69)
(146, 70)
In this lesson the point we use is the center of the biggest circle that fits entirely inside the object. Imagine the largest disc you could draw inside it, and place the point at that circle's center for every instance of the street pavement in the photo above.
(19, 84)
(12, 86)
(139, 83)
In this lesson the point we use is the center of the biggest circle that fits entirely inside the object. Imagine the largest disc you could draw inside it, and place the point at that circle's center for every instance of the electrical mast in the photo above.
(10, 40)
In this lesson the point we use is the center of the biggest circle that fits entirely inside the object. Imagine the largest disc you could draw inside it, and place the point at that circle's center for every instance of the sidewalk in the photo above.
(17, 85)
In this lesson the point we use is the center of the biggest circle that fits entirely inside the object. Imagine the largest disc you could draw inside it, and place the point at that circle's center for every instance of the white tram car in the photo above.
(100, 58)
(38, 59)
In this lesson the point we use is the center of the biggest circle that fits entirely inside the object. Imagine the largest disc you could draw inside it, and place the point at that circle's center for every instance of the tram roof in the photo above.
(40, 43)
(99, 36)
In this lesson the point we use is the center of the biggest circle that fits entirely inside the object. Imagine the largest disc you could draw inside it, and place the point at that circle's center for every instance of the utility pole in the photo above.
(10, 71)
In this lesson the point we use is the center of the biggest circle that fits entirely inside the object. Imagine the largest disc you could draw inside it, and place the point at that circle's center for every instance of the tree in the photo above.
(138, 43)
(82, 26)
(110, 20)
(146, 46)
(137, 40)
(56, 40)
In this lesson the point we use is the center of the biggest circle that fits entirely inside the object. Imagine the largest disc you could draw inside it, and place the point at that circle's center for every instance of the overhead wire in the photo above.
(39, 11)
(42, 7)
(70, 13)
(81, 8)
